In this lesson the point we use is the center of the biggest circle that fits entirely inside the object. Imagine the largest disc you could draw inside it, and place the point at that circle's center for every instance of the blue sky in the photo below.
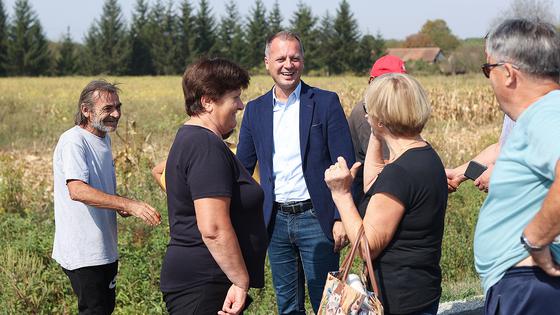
(394, 18)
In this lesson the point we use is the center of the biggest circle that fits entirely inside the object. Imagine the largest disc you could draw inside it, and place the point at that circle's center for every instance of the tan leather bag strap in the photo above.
(369, 262)
(347, 263)
(361, 240)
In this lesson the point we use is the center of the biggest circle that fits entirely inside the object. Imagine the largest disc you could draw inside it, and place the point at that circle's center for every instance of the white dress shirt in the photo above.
(289, 183)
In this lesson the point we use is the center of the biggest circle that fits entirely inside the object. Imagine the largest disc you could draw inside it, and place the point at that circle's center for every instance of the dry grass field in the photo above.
(35, 111)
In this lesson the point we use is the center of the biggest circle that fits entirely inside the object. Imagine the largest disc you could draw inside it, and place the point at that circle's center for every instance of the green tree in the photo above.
(107, 42)
(67, 61)
(186, 33)
(89, 61)
(257, 32)
(164, 29)
(204, 33)
(418, 40)
(303, 23)
(141, 62)
(370, 48)
(346, 37)
(440, 34)
(231, 44)
(28, 52)
(3, 40)
(275, 19)
(325, 44)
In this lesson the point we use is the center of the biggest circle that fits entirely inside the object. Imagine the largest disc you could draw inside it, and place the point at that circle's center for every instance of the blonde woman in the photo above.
(405, 197)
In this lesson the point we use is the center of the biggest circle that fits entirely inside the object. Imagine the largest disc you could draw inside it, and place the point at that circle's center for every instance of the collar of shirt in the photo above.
(292, 99)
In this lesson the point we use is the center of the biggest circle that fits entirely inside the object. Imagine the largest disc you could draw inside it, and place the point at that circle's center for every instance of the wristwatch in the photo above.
(530, 247)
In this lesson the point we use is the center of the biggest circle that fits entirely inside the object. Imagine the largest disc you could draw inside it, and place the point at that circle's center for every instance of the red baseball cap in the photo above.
(387, 64)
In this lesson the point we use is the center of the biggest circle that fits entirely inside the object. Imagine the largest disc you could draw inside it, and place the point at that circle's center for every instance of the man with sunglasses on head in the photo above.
(360, 129)
(515, 251)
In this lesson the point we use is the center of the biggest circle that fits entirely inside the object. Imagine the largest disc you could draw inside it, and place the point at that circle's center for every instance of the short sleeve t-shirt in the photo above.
(507, 126)
(408, 271)
(520, 181)
(200, 165)
(84, 235)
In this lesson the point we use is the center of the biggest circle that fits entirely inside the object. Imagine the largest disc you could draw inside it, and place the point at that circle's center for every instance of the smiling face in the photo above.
(284, 63)
(104, 116)
(224, 111)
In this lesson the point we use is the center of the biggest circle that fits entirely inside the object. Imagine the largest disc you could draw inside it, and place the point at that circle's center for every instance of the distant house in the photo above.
(427, 54)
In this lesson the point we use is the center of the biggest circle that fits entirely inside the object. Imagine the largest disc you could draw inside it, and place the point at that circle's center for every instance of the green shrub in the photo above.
(32, 283)
(420, 67)
(11, 186)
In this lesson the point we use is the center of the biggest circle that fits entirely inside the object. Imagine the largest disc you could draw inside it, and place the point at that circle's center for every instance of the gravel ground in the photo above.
(474, 306)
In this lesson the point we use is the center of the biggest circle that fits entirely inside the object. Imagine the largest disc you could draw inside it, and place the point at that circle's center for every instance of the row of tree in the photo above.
(163, 38)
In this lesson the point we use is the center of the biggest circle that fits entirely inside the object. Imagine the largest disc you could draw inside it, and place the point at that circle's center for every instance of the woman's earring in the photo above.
(380, 125)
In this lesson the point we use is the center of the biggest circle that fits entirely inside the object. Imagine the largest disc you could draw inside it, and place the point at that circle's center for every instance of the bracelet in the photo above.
(528, 246)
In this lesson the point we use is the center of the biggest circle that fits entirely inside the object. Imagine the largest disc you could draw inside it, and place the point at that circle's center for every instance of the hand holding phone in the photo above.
(474, 170)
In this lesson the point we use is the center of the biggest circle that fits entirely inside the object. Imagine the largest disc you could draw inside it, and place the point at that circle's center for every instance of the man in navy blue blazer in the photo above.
(296, 132)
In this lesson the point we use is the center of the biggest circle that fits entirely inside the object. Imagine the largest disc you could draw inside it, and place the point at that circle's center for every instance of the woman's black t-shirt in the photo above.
(408, 271)
(200, 165)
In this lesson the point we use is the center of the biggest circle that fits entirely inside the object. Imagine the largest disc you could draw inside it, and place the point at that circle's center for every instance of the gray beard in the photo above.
(101, 127)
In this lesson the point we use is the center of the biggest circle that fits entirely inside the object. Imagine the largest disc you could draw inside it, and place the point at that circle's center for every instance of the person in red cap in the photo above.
(359, 127)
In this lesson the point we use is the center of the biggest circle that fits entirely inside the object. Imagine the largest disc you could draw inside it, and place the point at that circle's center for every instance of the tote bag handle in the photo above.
(361, 239)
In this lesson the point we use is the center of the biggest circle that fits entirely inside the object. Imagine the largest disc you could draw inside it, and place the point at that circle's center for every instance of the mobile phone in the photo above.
(474, 170)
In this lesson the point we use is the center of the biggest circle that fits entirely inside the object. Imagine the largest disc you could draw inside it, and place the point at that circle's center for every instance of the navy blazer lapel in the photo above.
(306, 105)
(266, 119)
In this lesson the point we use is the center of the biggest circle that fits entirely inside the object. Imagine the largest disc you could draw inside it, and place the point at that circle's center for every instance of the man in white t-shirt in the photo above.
(85, 200)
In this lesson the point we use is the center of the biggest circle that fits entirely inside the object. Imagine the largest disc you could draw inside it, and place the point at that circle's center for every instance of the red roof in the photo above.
(428, 54)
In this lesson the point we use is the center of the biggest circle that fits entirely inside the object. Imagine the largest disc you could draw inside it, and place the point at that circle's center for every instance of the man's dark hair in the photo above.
(211, 78)
(88, 97)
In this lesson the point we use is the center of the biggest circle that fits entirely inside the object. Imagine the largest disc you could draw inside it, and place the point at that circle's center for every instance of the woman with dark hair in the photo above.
(218, 237)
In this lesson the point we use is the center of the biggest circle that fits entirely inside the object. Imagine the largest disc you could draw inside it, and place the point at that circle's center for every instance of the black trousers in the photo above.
(95, 288)
(205, 299)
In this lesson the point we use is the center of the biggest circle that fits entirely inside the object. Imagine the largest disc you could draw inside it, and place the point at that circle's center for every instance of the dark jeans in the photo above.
(95, 288)
(299, 251)
(524, 291)
(205, 299)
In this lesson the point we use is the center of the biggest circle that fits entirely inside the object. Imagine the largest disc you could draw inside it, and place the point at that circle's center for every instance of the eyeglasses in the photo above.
(487, 67)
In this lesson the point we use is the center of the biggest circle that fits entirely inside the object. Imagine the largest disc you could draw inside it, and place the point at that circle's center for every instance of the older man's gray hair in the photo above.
(531, 45)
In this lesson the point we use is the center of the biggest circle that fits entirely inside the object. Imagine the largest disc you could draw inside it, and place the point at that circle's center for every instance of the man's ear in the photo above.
(266, 63)
(510, 74)
(85, 110)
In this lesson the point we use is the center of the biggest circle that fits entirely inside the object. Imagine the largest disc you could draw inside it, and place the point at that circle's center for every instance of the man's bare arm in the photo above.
(82, 192)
